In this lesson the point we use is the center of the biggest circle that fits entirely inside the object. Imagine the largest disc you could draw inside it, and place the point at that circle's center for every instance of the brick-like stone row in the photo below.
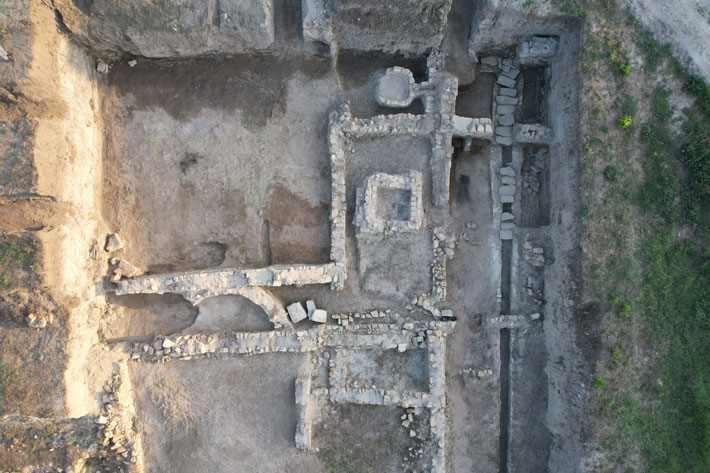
(506, 100)
(479, 128)
(506, 321)
(380, 397)
(437, 396)
(533, 133)
(338, 204)
(443, 243)
(198, 285)
(304, 414)
(116, 423)
(442, 150)
(185, 347)
(506, 192)
(392, 124)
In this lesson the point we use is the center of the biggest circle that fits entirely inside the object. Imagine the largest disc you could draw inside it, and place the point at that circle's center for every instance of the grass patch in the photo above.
(16, 253)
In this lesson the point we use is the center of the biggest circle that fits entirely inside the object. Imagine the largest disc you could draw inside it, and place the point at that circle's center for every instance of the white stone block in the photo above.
(296, 312)
(319, 316)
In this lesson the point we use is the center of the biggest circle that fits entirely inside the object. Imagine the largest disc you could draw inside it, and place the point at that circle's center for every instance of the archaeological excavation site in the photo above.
(291, 236)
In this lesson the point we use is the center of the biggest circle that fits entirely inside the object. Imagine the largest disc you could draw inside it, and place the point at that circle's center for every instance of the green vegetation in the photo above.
(6, 377)
(611, 173)
(350, 458)
(649, 244)
(625, 121)
(619, 58)
(16, 253)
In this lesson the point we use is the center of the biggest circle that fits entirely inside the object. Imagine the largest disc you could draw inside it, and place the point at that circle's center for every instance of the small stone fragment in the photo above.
(132, 63)
(535, 316)
(101, 66)
(113, 243)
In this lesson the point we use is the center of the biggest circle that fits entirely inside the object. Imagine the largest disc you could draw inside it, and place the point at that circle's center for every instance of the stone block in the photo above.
(296, 312)
(506, 235)
(507, 226)
(506, 190)
(512, 73)
(504, 140)
(507, 180)
(506, 120)
(507, 171)
(506, 81)
(319, 316)
(507, 91)
(506, 216)
(505, 100)
(504, 131)
(490, 61)
(507, 199)
(505, 109)
(310, 308)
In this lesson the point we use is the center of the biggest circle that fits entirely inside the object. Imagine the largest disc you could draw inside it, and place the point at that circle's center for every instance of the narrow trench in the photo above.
(505, 342)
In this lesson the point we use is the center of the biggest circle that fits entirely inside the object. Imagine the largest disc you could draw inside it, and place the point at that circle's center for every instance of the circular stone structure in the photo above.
(396, 88)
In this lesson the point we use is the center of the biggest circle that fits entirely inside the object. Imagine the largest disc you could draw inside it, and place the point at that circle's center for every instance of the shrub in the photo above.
(625, 121)
(599, 382)
(662, 109)
(611, 173)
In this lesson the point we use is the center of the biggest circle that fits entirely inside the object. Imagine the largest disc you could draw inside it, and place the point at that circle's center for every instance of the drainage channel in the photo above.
(505, 345)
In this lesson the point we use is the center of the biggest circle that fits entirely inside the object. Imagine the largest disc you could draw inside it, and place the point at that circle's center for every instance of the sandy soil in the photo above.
(685, 24)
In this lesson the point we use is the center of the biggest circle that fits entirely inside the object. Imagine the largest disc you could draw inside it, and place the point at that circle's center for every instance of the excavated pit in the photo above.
(210, 162)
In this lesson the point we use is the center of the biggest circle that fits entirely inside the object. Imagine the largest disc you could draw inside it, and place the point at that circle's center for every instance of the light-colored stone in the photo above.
(101, 66)
(310, 308)
(512, 73)
(490, 61)
(3, 54)
(507, 91)
(506, 120)
(507, 171)
(504, 131)
(296, 312)
(505, 109)
(504, 140)
(506, 190)
(507, 226)
(132, 63)
(506, 81)
(506, 235)
(507, 199)
(505, 100)
(507, 180)
(506, 217)
(319, 316)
